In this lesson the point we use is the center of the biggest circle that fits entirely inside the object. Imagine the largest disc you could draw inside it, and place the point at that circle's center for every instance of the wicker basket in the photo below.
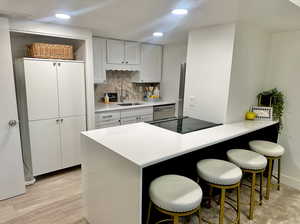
(50, 51)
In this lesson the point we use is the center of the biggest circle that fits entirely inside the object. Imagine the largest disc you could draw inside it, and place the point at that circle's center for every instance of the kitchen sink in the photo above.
(129, 104)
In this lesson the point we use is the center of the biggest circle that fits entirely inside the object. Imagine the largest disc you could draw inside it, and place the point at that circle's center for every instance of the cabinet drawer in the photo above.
(107, 124)
(129, 120)
(137, 112)
(136, 119)
(146, 118)
(107, 116)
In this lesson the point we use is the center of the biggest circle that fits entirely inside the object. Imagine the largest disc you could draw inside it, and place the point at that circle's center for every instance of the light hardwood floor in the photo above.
(56, 199)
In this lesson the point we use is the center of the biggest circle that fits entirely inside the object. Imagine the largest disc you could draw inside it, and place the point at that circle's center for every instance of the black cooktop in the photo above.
(184, 125)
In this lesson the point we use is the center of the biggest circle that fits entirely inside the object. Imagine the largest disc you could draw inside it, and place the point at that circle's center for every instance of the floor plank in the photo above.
(56, 199)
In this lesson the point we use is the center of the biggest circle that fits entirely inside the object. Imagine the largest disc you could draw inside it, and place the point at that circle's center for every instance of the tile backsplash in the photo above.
(114, 81)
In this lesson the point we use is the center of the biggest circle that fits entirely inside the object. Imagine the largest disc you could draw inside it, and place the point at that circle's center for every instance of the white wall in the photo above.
(173, 56)
(248, 69)
(31, 27)
(209, 59)
(283, 72)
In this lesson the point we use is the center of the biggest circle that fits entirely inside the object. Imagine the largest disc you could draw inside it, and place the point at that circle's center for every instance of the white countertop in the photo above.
(145, 144)
(102, 107)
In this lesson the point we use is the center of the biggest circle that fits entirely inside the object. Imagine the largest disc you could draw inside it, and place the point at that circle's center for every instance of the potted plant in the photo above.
(275, 99)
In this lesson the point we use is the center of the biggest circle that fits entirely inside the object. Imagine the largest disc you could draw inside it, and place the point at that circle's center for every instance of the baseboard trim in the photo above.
(290, 181)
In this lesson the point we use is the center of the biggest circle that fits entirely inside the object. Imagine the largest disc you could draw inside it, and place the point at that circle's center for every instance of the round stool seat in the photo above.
(219, 172)
(267, 148)
(175, 193)
(246, 159)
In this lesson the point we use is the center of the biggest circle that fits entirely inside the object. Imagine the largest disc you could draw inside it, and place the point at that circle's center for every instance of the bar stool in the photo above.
(176, 196)
(222, 175)
(272, 152)
(253, 163)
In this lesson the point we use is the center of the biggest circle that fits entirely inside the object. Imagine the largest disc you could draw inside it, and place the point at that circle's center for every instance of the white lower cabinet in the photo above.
(70, 140)
(122, 117)
(108, 124)
(45, 146)
(146, 118)
(129, 120)
(55, 143)
(107, 119)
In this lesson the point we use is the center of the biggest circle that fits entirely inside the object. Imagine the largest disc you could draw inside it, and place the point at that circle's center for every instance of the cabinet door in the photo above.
(45, 146)
(151, 63)
(132, 53)
(99, 53)
(70, 140)
(71, 89)
(11, 165)
(115, 51)
(41, 89)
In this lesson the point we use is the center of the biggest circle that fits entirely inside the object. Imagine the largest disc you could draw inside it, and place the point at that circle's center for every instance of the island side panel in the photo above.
(112, 186)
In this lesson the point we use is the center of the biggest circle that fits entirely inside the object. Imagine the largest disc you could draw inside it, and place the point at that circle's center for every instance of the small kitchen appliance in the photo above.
(113, 97)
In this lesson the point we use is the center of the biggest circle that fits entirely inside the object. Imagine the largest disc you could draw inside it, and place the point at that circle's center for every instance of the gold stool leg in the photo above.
(149, 211)
(238, 203)
(252, 197)
(210, 193)
(278, 180)
(199, 215)
(269, 179)
(176, 219)
(222, 206)
(261, 182)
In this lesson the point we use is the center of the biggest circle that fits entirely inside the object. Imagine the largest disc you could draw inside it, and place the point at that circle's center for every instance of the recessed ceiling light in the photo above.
(296, 2)
(157, 34)
(180, 11)
(62, 16)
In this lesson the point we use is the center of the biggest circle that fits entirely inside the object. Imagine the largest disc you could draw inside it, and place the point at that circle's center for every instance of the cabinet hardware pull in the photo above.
(126, 62)
(54, 63)
(57, 120)
(61, 120)
(58, 64)
(12, 123)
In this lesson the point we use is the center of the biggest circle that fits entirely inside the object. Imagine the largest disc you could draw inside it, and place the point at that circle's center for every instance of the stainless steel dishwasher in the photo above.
(161, 112)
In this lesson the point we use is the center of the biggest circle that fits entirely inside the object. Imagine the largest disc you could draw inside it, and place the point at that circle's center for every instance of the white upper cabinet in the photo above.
(41, 89)
(115, 52)
(123, 52)
(151, 67)
(144, 59)
(54, 89)
(99, 54)
(71, 88)
(132, 53)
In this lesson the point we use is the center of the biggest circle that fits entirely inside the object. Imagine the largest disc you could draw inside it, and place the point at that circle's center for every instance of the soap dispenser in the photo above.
(106, 98)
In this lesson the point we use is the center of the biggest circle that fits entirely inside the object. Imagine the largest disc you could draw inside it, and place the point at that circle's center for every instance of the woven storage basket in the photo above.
(50, 51)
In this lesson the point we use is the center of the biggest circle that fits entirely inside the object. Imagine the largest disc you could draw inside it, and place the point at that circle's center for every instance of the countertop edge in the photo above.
(103, 145)
(144, 165)
(145, 104)
(147, 164)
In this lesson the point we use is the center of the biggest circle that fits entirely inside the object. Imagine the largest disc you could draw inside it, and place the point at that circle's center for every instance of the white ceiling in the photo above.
(138, 19)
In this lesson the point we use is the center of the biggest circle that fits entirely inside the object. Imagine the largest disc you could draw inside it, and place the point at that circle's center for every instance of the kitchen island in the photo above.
(120, 162)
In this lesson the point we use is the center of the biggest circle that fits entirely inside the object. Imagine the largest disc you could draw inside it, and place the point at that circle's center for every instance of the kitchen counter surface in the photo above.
(145, 144)
(101, 107)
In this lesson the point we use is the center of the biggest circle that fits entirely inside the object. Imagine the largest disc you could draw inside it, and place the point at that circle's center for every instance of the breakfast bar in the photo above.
(120, 162)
